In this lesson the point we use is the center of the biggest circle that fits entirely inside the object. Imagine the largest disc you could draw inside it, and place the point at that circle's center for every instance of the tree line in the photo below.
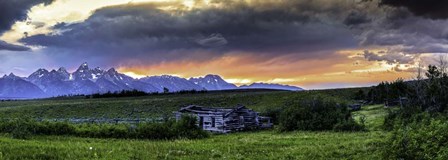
(419, 127)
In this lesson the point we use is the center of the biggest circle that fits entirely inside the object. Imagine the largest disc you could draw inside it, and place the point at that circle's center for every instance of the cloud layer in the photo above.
(151, 34)
(12, 47)
(436, 9)
(266, 33)
(15, 10)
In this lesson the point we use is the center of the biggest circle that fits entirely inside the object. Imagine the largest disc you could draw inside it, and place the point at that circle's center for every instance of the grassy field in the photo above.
(247, 145)
(153, 106)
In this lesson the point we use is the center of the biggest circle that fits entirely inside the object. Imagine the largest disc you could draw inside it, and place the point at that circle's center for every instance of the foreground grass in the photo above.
(257, 145)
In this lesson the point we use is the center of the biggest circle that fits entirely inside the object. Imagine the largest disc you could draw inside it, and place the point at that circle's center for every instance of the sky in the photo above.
(313, 44)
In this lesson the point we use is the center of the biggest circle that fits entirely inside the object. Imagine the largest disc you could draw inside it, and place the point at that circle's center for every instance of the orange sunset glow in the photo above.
(316, 73)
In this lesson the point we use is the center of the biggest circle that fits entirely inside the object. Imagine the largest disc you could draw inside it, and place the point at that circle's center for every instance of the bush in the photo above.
(20, 130)
(322, 113)
(402, 116)
(274, 113)
(423, 137)
(185, 128)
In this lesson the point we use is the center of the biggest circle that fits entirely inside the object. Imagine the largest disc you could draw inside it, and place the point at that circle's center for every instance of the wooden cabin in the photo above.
(224, 120)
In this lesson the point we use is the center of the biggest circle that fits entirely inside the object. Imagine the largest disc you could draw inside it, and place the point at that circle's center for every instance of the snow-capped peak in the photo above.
(85, 73)
(212, 82)
(87, 81)
(84, 67)
(39, 73)
(98, 70)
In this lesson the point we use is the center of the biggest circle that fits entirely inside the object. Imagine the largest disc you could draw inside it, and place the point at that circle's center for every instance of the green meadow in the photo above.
(268, 144)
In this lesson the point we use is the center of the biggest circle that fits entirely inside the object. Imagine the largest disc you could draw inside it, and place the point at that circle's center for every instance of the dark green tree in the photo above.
(360, 95)
(165, 90)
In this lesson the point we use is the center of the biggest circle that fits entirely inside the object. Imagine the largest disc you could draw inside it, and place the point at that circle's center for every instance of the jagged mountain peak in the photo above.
(62, 70)
(212, 75)
(83, 67)
(42, 70)
(85, 73)
(87, 81)
(112, 75)
(112, 70)
(39, 73)
(213, 82)
(12, 75)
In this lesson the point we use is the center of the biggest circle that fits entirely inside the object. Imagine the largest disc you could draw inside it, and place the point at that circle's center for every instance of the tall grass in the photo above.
(185, 128)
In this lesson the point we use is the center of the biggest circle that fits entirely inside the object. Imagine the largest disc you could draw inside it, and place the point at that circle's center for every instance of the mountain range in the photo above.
(85, 80)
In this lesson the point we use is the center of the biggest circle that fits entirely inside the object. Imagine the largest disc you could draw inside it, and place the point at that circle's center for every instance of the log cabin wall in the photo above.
(222, 120)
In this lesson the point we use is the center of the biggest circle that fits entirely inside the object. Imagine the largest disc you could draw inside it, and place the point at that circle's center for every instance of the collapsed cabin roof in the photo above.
(209, 110)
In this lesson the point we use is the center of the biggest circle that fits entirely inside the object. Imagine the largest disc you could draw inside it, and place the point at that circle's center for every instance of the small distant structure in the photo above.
(225, 120)
(358, 105)
(355, 107)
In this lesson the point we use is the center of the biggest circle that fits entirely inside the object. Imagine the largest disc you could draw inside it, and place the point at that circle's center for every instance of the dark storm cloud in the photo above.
(399, 31)
(147, 33)
(265, 28)
(435, 9)
(15, 10)
(12, 47)
(12, 11)
(390, 58)
(356, 18)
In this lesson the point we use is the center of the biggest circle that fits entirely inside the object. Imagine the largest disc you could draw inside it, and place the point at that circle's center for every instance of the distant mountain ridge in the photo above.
(172, 83)
(213, 82)
(271, 86)
(44, 83)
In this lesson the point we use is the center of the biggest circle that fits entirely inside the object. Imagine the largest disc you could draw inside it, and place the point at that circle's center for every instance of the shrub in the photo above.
(403, 116)
(20, 130)
(423, 137)
(274, 113)
(322, 113)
